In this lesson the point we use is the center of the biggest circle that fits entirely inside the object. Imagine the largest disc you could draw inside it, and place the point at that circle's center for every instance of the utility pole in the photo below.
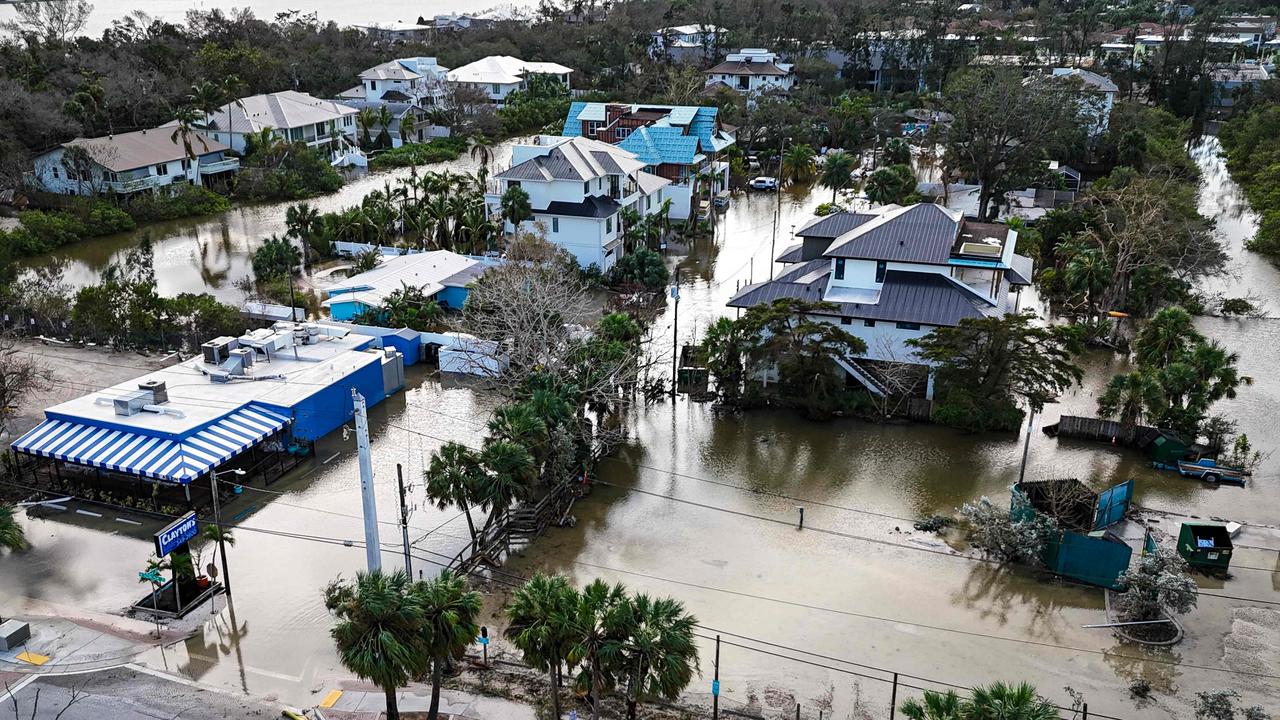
(217, 521)
(777, 211)
(675, 335)
(372, 547)
(1026, 447)
(715, 685)
(404, 521)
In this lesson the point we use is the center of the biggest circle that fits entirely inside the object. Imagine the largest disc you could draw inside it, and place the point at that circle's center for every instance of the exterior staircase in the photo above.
(862, 375)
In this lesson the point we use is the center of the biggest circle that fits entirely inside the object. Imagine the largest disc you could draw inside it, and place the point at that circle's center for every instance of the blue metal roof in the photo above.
(176, 461)
(675, 139)
(657, 145)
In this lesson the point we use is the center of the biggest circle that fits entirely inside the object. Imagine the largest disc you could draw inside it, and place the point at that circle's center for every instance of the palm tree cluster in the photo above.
(392, 629)
(998, 701)
(541, 436)
(607, 640)
(435, 211)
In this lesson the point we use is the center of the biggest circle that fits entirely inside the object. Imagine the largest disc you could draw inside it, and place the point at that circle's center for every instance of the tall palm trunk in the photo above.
(437, 673)
(471, 525)
(393, 708)
(552, 669)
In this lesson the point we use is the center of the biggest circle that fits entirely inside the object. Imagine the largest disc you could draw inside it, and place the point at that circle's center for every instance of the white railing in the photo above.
(208, 168)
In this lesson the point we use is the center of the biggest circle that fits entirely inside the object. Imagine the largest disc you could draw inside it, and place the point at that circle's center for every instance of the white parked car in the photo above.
(764, 182)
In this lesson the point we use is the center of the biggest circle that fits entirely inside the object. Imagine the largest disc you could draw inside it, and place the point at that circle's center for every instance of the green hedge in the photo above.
(437, 151)
(44, 231)
(187, 201)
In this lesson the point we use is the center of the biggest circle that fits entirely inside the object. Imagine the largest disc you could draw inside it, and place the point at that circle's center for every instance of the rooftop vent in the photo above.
(159, 393)
(217, 350)
(132, 403)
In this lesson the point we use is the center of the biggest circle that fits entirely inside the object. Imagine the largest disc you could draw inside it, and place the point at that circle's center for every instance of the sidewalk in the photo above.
(369, 704)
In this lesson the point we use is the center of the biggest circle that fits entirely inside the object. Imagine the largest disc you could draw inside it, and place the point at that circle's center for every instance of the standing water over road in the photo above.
(888, 600)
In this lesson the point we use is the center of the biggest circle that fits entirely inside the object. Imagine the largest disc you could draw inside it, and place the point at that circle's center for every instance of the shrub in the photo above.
(643, 267)
(286, 172)
(437, 151)
(1020, 536)
(1158, 583)
(186, 201)
(106, 219)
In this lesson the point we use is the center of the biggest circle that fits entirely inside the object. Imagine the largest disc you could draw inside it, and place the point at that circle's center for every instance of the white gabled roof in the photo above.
(392, 70)
(504, 70)
(280, 110)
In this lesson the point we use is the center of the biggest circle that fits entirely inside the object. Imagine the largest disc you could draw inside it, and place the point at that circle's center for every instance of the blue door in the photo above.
(1113, 503)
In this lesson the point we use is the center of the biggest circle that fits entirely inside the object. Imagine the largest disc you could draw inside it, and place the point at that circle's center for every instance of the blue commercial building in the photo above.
(244, 402)
(441, 275)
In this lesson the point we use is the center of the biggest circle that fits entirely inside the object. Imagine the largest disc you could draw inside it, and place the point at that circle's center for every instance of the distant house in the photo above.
(423, 130)
(454, 22)
(687, 43)
(441, 275)
(896, 273)
(681, 143)
(418, 80)
(289, 115)
(1100, 96)
(1252, 30)
(498, 76)
(1230, 80)
(578, 189)
(146, 160)
(398, 31)
(752, 71)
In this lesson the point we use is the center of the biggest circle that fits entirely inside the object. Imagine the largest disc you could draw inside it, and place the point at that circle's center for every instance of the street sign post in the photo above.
(484, 643)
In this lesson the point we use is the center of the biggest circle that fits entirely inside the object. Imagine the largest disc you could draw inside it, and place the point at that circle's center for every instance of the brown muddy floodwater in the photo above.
(692, 510)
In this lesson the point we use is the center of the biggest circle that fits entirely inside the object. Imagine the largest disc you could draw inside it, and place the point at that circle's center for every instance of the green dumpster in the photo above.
(1205, 545)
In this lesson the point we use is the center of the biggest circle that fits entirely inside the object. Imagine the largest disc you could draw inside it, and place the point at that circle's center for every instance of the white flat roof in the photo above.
(202, 401)
(428, 271)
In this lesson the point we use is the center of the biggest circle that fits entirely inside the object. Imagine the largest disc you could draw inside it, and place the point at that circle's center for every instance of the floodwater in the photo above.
(343, 13)
(210, 253)
(700, 507)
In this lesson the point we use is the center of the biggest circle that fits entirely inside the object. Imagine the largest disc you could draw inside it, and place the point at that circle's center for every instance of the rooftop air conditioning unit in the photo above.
(989, 248)
(219, 349)
(132, 403)
(246, 356)
(159, 393)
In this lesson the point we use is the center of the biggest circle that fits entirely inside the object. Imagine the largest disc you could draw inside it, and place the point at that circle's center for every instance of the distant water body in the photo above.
(340, 11)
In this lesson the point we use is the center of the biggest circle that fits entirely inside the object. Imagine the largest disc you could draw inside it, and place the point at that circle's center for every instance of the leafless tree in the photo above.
(49, 20)
(897, 374)
(20, 375)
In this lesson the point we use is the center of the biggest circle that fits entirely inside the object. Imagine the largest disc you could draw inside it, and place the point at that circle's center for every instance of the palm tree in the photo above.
(481, 151)
(658, 654)
(187, 116)
(455, 477)
(449, 623)
(384, 124)
(11, 534)
(520, 424)
(589, 628)
(1165, 338)
(1128, 397)
(366, 118)
(301, 221)
(508, 477)
(206, 97)
(934, 706)
(539, 614)
(380, 633)
(798, 164)
(999, 701)
(408, 124)
(515, 206)
(837, 172)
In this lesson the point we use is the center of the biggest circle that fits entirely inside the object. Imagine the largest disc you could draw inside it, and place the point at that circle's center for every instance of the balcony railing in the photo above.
(228, 165)
(144, 183)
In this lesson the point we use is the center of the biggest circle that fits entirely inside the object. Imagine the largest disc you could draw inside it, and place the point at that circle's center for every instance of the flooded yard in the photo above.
(703, 507)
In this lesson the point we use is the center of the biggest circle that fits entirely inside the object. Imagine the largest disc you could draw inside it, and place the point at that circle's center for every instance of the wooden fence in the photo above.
(520, 525)
(1089, 428)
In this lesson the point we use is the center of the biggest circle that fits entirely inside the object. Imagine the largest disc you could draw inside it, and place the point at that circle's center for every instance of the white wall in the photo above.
(50, 174)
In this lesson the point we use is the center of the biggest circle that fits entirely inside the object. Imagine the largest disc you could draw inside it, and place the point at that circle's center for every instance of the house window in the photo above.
(162, 169)
(55, 173)
(908, 326)
(347, 121)
(555, 224)
(586, 188)
(869, 323)
(373, 84)
(839, 268)
(320, 129)
(608, 226)
(880, 268)
(513, 184)
(494, 89)
(186, 165)
(846, 321)
(592, 127)
(622, 132)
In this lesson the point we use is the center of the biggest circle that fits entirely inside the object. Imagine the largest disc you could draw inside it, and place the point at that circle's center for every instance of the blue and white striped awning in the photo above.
(178, 461)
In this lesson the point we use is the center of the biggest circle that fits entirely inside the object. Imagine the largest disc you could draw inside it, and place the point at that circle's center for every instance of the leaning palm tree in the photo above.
(540, 614)
(837, 172)
(380, 633)
(449, 622)
(11, 535)
(407, 127)
(999, 701)
(187, 117)
(933, 706)
(384, 126)
(454, 477)
(481, 150)
(590, 631)
(652, 640)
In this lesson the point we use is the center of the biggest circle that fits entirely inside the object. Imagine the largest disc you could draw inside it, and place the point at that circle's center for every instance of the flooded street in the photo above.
(702, 507)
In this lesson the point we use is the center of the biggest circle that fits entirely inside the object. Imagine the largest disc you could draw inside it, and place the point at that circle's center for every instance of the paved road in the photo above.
(127, 693)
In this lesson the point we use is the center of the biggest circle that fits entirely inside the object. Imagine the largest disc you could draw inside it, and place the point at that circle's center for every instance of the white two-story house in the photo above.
(895, 273)
(498, 76)
(291, 116)
(145, 160)
(752, 71)
(687, 43)
(578, 189)
(418, 80)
